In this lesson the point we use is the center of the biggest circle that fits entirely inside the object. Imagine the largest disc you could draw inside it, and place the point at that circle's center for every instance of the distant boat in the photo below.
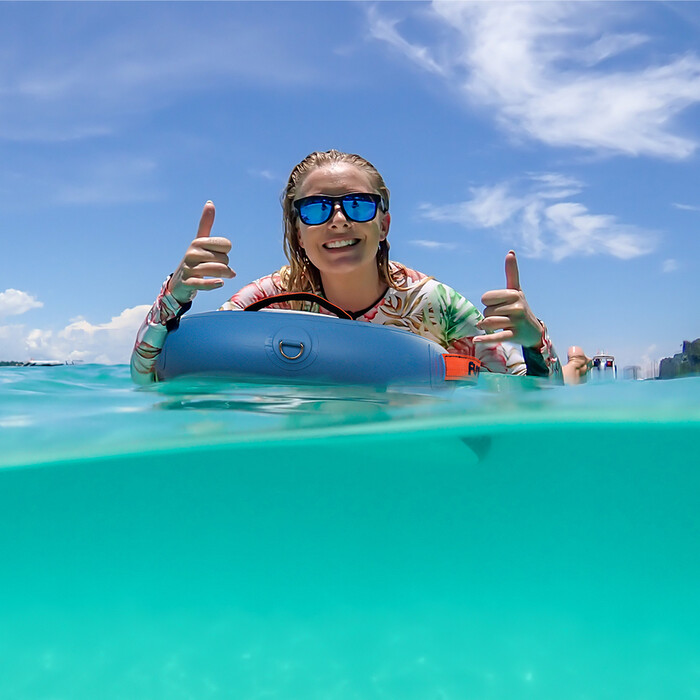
(603, 367)
(45, 363)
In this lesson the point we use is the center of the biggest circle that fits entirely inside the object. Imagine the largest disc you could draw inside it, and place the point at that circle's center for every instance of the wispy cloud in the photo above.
(528, 215)
(548, 72)
(110, 180)
(264, 174)
(686, 207)
(434, 245)
(670, 265)
(14, 302)
(54, 88)
(384, 29)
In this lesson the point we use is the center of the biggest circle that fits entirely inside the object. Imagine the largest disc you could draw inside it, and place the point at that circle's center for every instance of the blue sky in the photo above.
(567, 131)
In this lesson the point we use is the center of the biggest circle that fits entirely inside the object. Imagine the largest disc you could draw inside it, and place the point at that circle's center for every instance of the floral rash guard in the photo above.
(422, 305)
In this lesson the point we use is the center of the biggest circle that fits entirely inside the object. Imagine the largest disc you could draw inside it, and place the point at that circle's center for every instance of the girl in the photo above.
(336, 223)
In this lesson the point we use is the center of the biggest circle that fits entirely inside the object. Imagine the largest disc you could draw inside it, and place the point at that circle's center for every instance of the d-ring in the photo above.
(289, 357)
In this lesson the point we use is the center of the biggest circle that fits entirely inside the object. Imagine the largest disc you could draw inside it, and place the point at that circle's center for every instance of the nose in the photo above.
(338, 209)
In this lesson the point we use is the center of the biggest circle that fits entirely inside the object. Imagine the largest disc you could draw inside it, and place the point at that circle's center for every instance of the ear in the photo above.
(384, 226)
(299, 239)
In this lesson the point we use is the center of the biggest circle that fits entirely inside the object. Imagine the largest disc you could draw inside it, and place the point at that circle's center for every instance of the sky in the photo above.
(567, 131)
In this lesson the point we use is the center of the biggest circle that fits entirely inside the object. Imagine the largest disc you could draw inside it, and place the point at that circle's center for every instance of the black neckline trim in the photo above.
(356, 314)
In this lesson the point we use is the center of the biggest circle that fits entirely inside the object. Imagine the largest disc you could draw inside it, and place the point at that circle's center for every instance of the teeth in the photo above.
(340, 244)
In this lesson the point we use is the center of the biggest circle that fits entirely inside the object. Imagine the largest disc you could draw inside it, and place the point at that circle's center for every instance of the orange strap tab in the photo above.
(461, 367)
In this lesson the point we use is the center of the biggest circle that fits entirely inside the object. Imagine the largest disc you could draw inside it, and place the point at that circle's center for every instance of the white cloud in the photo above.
(488, 207)
(670, 265)
(539, 226)
(107, 343)
(545, 69)
(14, 302)
(13, 344)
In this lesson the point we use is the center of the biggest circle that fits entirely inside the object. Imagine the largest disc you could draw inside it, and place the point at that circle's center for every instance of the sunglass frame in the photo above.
(375, 198)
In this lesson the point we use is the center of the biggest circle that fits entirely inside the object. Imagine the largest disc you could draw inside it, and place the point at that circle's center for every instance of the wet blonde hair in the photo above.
(301, 275)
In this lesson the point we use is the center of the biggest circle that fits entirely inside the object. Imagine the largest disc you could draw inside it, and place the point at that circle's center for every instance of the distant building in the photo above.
(632, 372)
(682, 364)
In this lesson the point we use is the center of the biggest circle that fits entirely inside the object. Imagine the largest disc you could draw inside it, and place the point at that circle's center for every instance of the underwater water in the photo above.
(208, 540)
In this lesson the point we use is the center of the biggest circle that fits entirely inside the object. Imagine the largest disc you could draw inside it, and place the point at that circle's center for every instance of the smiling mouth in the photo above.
(347, 243)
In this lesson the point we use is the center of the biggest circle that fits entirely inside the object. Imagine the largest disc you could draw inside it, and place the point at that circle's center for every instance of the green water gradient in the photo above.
(209, 541)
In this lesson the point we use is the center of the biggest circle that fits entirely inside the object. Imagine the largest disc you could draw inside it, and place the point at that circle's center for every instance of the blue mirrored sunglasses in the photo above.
(358, 206)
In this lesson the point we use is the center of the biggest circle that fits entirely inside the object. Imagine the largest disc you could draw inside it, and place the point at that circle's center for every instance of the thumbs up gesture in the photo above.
(507, 316)
(205, 262)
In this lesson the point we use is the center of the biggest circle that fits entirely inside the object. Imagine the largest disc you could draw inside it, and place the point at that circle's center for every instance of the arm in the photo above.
(509, 319)
(204, 265)
(151, 335)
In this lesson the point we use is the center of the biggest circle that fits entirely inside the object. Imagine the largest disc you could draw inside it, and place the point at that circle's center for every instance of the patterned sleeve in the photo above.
(454, 320)
(151, 335)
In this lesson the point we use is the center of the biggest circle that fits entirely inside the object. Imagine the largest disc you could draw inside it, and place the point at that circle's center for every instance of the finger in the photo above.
(195, 256)
(512, 273)
(208, 270)
(493, 338)
(576, 351)
(494, 297)
(217, 243)
(199, 284)
(207, 220)
(509, 310)
(495, 322)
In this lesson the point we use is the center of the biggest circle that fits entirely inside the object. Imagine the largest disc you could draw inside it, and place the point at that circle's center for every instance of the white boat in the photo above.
(603, 367)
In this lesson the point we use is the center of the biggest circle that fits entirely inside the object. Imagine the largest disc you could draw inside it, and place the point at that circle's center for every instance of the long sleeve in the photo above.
(152, 333)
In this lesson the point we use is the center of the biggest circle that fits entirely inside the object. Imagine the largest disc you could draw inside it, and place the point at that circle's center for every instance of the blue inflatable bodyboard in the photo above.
(299, 347)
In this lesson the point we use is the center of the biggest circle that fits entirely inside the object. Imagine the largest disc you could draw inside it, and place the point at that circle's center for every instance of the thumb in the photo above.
(207, 220)
(575, 353)
(512, 274)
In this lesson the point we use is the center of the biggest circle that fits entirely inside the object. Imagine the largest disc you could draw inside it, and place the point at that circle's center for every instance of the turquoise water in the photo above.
(203, 540)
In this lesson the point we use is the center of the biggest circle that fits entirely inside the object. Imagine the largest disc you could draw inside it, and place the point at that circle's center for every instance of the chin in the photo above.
(346, 260)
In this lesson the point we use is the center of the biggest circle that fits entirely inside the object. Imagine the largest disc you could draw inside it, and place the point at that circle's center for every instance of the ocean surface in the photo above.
(210, 540)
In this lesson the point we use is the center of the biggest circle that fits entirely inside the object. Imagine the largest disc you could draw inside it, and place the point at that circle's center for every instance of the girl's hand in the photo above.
(508, 314)
(205, 262)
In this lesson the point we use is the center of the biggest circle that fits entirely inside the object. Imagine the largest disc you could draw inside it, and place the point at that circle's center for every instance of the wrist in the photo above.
(539, 346)
(179, 296)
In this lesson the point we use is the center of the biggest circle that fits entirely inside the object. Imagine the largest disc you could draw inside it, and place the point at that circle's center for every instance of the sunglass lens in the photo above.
(315, 211)
(359, 208)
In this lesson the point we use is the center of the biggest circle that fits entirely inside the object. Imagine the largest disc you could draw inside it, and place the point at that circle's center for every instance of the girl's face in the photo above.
(341, 246)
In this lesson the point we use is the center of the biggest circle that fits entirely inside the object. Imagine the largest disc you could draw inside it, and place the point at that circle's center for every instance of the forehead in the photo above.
(335, 179)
